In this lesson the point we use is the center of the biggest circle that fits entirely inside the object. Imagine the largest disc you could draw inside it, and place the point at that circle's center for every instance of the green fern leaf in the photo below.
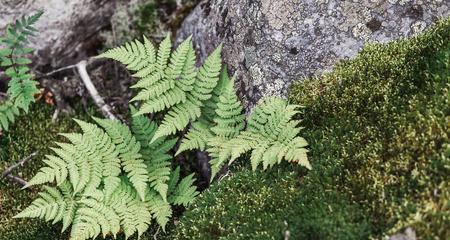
(271, 135)
(159, 208)
(21, 87)
(128, 148)
(185, 192)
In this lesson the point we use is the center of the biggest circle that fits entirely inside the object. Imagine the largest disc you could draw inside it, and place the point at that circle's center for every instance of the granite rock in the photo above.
(269, 44)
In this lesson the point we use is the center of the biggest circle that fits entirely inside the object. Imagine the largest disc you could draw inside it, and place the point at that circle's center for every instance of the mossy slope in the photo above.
(378, 126)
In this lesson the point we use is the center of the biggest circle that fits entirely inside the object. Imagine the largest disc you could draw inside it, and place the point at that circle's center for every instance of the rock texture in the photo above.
(67, 28)
(270, 43)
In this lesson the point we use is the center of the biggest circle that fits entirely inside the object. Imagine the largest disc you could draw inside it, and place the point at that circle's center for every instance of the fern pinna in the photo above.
(109, 181)
(21, 87)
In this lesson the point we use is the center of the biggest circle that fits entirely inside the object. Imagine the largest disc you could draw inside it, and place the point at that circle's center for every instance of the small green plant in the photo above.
(107, 183)
(206, 98)
(21, 87)
(111, 179)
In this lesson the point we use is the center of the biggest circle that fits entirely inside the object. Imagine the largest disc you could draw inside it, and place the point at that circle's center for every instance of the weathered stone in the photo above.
(409, 234)
(270, 43)
(66, 30)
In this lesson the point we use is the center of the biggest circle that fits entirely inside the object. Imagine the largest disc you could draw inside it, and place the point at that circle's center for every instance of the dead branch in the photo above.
(155, 236)
(18, 180)
(81, 68)
(21, 163)
(43, 75)
(105, 108)
(7, 173)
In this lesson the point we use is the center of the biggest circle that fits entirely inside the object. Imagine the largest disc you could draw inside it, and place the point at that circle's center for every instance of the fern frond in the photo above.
(159, 208)
(79, 169)
(229, 119)
(155, 154)
(208, 76)
(56, 170)
(163, 53)
(8, 113)
(197, 138)
(48, 206)
(134, 214)
(271, 135)
(106, 151)
(209, 108)
(185, 192)
(178, 118)
(221, 120)
(135, 55)
(95, 215)
(21, 87)
(97, 156)
(172, 83)
(180, 115)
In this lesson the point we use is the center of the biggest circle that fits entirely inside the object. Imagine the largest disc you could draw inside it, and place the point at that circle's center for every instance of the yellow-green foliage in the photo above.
(105, 186)
(382, 122)
(21, 87)
(171, 82)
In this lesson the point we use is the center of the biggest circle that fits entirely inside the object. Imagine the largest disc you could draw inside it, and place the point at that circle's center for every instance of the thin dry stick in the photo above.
(155, 236)
(106, 109)
(81, 68)
(18, 164)
(56, 71)
(18, 180)
(89, 61)
(21, 163)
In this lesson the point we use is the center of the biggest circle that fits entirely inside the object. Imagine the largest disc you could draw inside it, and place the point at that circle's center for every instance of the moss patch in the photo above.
(270, 205)
(30, 133)
(382, 122)
(378, 128)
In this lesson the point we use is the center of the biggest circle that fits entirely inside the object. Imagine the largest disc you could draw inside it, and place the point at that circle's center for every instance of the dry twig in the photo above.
(21, 163)
(105, 108)
(81, 68)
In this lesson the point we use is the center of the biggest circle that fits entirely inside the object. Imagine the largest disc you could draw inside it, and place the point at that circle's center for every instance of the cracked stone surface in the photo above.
(269, 44)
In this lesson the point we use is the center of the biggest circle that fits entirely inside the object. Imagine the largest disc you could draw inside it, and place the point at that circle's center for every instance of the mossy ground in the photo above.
(379, 134)
(270, 205)
(30, 133)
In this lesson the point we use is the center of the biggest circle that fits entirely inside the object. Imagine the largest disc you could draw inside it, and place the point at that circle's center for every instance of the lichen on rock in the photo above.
(271, 43)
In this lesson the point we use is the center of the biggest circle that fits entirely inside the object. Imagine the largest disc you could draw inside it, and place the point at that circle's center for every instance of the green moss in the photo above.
(31, 132)
(378, 128)
(269, 205)
(380, 122)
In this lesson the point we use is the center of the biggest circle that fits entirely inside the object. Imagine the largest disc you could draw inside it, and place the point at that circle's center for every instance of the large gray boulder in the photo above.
(270, 43)
(67, 30)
